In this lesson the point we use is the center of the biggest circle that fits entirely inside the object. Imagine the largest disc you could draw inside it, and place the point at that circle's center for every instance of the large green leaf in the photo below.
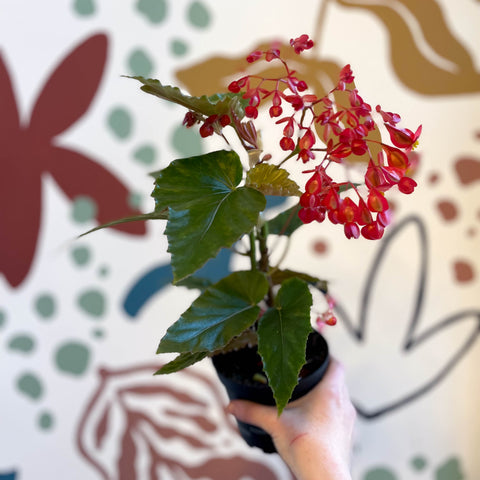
(220, 313)
(183, 360)
(271, 180)
(282, 338)
(220, 103)
(207, 209)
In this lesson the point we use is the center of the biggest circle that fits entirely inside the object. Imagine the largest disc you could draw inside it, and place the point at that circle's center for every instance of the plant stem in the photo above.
(264, 264)
(253, 251)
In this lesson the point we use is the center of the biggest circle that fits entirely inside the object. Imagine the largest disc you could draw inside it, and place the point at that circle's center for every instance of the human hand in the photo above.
(313, 434)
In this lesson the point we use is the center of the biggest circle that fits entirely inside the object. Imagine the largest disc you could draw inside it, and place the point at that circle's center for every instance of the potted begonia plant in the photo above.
(215, 201)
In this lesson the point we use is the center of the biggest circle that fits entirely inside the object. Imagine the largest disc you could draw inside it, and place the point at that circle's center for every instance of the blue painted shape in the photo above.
(274, 201)
(159, 277)
(148, 285)
(8, 476)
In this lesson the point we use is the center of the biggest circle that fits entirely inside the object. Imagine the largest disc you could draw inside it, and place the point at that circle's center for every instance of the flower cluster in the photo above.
(344, 129)
(343, 122)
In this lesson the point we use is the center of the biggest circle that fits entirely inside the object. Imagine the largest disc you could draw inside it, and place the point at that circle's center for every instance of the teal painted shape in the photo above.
(154, 10)
(8, 476)
(22, 343)
(450, 470)
(73, 358)
(380, 473)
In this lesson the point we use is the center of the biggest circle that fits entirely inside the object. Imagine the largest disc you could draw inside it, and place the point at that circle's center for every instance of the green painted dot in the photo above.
(419, 463)
(72, 358)
(45, 306)
(30, 385)
(140, 63)
(45, 421)
(450, 470)
(92, 302)
(198, 15)
(98, 333)
(154, 10)
(3, 318)
(120, 122)
(22, 343)
(81, 255)
(103, 271)
(145, 154)
(178, 48)
(84, 7)
(380, 474)
(84, 209)
(186, 141)
(135, 200)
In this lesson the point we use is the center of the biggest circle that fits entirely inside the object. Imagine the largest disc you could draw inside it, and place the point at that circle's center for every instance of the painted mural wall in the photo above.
(80, 319)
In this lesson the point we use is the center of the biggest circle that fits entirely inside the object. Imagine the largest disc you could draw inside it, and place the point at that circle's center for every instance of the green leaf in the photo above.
(207, 209)
(156, 215)
(282, 338)
(285, 223)
(183, 360)
(219, 104)
(194, 283)
(271, 180)
(219, 314)
(279, 276)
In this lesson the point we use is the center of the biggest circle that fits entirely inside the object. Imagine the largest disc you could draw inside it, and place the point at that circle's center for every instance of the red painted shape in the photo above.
(29, 151)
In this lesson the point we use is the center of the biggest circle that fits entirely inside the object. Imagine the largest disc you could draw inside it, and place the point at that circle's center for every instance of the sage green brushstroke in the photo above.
(81, 255)
(380, 474)
(140, 63)
(178, 48)
(120, 122)
(92, 302)
(198, 15)
(22, 343)
(45, 306)
(45, 421)
(72, 358)
(145, 154)
(30, 385)
(154, 10)
(84, 7)
(186, 141)
(450, 470)
(84, 209)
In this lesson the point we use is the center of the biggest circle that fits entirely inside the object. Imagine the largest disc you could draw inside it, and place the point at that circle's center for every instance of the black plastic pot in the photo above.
(238, 370)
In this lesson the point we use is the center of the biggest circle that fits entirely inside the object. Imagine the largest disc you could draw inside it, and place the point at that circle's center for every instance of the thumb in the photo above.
(253, 413)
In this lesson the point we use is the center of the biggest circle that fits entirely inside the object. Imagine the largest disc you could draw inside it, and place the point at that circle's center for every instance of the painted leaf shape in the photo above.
(399, 340)
(147, 412)
(282, 336)
(271, 180)
(78, 175)
(220, 313)
(70, 89)
(9, 120)
(435, 63)
(17, 250)
(207, 209)
(217, 103)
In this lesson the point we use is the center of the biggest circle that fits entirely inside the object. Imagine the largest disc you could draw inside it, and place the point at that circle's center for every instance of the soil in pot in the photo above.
(241, 372)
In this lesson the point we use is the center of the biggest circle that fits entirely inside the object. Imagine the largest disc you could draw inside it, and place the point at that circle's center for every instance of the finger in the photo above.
(253, 413)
